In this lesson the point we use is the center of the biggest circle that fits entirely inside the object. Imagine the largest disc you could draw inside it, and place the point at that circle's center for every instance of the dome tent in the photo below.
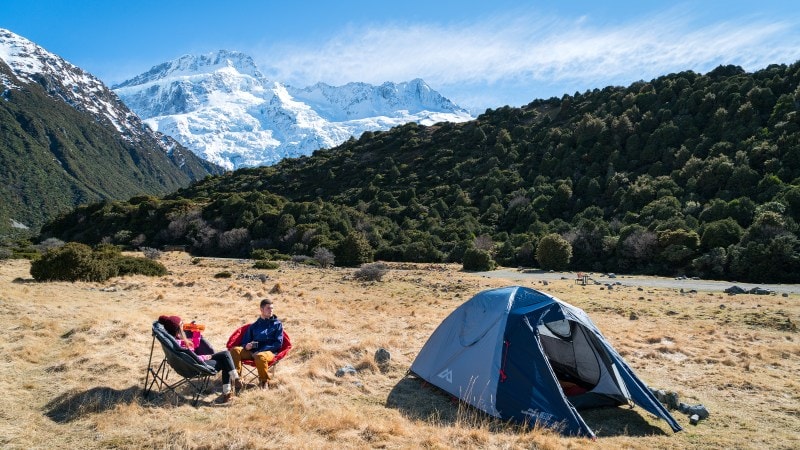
(522, 355)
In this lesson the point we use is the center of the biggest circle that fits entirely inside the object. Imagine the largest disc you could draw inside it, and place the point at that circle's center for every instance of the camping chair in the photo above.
(248, 364)
(193, 371)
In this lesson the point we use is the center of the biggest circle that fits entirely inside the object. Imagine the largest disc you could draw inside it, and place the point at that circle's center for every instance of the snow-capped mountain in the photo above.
(68, 139)
(220, 106)
(64, 81)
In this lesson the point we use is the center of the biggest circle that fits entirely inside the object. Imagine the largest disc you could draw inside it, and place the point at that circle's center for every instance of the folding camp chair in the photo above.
(194, 373)
(248, 364)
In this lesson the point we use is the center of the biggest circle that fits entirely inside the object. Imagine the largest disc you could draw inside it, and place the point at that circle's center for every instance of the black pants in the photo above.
(223, 362)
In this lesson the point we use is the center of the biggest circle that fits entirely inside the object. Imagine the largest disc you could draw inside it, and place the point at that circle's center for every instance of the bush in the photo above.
(553, 252)
(129, 265)
(354, 250)
(223, 275)
(304, 259)
(6, 253)
(79, 262)
(269, 265)
(371, 272)
(49, 243)
(73, 262)
(151, 253)
(324, 257)
(260, 254)
(478, 260)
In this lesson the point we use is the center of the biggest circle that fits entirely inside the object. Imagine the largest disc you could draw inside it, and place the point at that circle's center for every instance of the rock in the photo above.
(345, 370)
(382, 356)
(698, 410)
(760, 291)
(276, 289)
(733, 290)
(633, 316)
(672, 400)
(694, 419)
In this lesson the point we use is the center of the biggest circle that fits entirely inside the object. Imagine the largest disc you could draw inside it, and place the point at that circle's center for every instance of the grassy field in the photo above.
(74, 358)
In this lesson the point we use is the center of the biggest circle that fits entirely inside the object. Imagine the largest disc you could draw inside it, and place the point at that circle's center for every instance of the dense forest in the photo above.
(687, 174)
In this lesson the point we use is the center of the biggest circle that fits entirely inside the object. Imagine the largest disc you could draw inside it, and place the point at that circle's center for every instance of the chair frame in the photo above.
(249, 365)
(193, 372)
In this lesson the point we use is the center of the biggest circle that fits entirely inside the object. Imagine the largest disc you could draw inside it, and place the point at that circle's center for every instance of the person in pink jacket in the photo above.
(222, 360)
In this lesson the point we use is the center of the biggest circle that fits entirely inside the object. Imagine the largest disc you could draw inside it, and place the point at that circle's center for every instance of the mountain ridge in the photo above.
(67, 139)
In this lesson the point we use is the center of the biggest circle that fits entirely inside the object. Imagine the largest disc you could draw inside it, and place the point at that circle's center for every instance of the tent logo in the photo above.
(447, 374)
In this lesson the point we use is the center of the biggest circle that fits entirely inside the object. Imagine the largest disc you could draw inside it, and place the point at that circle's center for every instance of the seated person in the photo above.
(261, 342)
(222, 361)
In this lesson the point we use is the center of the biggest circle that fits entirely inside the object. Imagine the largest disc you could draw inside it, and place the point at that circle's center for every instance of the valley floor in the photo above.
(74, 358)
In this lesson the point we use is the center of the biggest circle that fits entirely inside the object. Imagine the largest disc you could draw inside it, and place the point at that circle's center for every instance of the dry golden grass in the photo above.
(74, 358)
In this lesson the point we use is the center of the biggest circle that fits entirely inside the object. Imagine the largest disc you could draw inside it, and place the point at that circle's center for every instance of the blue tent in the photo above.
(520, 354)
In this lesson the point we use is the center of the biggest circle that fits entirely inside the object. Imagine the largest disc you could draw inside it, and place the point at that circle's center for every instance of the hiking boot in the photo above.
(225, 398)
(263, 385)
(238, 385)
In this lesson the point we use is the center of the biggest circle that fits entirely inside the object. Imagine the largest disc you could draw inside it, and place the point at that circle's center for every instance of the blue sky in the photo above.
(480, 54)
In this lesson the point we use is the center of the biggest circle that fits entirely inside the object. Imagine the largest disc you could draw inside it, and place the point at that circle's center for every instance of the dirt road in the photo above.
(635, 280)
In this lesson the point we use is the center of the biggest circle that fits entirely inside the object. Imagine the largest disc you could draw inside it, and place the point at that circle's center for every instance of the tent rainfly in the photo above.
(520, 354)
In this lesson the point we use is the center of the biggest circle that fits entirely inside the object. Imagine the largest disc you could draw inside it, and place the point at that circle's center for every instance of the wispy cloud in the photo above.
(529, 50)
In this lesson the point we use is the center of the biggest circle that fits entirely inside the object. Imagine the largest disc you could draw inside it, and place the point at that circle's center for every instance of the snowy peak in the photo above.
(221, 107)
(191, 83)
(31, 63)
(188, 66)
(361, 100)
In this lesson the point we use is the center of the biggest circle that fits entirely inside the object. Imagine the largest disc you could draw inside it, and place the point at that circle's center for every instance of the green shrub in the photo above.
(73, 262)
(354, 250)
(269, 265)
(79, 262)
(260, 254)
(478, 260)
(553, 252)
(129, 265)
(196, 261)
(223, 275)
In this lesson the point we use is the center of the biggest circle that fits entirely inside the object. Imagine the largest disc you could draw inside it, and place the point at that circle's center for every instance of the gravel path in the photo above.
(643, 281)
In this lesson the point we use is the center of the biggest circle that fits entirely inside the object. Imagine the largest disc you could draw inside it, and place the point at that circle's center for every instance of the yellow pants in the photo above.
(262, 360)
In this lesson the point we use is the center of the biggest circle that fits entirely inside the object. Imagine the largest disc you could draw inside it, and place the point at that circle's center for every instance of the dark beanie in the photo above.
(171, 323)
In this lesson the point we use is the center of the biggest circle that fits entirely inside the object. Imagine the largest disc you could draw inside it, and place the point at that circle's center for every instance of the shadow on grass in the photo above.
(619, 421)
(418, 400)
(76, 405)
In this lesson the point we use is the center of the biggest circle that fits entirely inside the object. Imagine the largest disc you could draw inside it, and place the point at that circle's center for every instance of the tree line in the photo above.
(687, 174)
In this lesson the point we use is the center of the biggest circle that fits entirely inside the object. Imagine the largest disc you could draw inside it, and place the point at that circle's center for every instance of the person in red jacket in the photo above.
(261, 342)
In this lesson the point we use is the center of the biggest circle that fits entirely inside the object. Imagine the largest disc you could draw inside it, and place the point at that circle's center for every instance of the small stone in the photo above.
(382, 356)
(345, 370)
